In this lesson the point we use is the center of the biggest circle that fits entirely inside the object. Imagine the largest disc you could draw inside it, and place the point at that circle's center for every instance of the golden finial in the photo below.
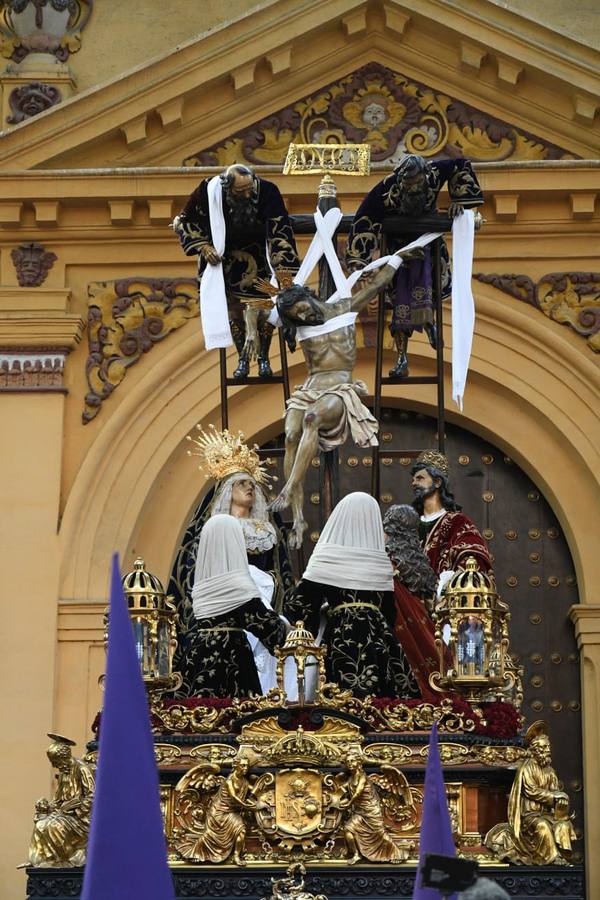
(223, 453)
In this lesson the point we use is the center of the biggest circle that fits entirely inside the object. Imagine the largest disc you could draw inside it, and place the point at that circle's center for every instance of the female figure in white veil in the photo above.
(239, 491)
(349, 578)
(227, 605)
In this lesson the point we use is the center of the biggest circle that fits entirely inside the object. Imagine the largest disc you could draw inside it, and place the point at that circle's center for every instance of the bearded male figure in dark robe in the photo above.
(449, 536)
(410, 191)
(258, 231)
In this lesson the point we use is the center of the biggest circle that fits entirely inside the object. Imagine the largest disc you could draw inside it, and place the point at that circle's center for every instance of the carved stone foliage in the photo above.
(126, 318)
(31, 99)
(32, 263)
(571, 298)
(42, 26)
(393, 114)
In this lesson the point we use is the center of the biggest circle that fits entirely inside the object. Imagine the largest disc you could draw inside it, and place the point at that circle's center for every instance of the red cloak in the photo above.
(452, 539)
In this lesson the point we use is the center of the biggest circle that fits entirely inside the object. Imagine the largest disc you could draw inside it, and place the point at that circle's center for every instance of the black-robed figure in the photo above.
(363, 655)
(266, 548)
(349, 580)
(256, 223)
(411, 190)
(220, 661)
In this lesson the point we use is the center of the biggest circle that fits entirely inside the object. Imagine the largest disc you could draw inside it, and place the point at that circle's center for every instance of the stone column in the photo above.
(586, 618)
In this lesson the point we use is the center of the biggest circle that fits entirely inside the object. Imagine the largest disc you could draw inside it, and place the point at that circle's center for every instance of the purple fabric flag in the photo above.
(127, 854)
(436, 829)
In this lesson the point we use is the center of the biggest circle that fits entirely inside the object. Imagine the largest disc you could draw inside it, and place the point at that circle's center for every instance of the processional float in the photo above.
(249, 786)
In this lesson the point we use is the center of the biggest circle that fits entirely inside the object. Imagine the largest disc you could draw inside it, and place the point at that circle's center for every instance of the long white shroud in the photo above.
(213, 299)
(463, 306)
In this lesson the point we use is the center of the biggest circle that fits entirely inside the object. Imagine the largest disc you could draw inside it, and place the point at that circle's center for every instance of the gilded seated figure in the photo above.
(539, 829)
(61, 825)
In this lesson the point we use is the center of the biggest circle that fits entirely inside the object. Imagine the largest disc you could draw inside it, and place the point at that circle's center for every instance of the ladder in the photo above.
(396, 226)
(392, 225)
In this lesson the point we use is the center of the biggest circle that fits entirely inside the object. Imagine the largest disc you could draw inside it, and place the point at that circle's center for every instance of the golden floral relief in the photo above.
(394, 114)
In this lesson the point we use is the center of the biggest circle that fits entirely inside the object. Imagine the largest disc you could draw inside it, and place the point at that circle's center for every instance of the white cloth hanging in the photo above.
(350, 552)
(222, 579)
(213, 298)
(463, 306)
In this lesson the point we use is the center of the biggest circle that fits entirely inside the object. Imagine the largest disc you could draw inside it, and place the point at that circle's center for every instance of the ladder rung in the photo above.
(411, 379)
(254, 379)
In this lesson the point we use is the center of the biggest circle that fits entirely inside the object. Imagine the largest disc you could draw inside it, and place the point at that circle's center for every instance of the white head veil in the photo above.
(222, 579)
(259, 533)
(350, 552)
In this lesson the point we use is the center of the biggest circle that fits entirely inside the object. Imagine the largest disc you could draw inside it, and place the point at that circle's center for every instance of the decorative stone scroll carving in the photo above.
(393, 114)
(126, 318)
(31, 99)
(42, 26)
(32, 263)
(571, 298)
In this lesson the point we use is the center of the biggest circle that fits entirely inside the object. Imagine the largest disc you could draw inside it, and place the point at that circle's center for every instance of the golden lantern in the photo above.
(471, 635)
(307, 659)
(154, 619)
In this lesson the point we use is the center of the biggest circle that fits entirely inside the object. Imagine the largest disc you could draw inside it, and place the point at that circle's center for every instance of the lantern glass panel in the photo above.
(162, 650)
(470, 646)
(140, 631)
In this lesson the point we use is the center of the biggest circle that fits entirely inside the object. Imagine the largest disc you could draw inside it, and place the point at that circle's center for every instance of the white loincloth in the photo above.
(355, 417)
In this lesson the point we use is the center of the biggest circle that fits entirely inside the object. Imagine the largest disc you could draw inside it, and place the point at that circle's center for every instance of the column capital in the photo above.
(586, 618)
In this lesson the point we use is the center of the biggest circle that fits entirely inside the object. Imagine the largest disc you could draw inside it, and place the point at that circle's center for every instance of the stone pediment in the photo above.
(511, 87)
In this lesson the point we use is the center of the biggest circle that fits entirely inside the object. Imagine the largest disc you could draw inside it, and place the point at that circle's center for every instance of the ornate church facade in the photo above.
(107, 129)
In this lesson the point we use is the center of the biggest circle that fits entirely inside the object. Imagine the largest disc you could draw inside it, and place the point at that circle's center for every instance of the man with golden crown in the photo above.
(240, 484)
(449, 536)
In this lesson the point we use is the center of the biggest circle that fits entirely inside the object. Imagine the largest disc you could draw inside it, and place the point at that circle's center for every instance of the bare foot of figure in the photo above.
(281, 502)
(296, 534)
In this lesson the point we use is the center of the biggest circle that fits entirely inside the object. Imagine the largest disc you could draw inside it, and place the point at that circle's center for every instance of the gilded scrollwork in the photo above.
(570, 298)
(179, 717)
(126, 318)
(306, 794)
(392, 113)
(167, 754)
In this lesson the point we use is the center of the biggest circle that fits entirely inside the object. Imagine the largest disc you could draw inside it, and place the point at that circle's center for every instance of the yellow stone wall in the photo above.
(71, 494)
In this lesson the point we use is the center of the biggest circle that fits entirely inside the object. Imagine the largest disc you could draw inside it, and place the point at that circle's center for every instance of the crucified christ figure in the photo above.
(321, 412)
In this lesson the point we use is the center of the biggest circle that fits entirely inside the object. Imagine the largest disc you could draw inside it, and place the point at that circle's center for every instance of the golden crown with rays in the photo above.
(224, 454)
(285, 279)
(433, 458)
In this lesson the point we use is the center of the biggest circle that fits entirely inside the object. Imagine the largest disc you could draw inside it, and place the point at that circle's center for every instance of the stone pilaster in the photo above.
(586, 618)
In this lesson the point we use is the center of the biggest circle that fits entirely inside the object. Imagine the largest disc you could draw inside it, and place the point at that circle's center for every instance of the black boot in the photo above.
(400, 370)
(238, 333)
(264, 344)
(431, 332)
(243, 367)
